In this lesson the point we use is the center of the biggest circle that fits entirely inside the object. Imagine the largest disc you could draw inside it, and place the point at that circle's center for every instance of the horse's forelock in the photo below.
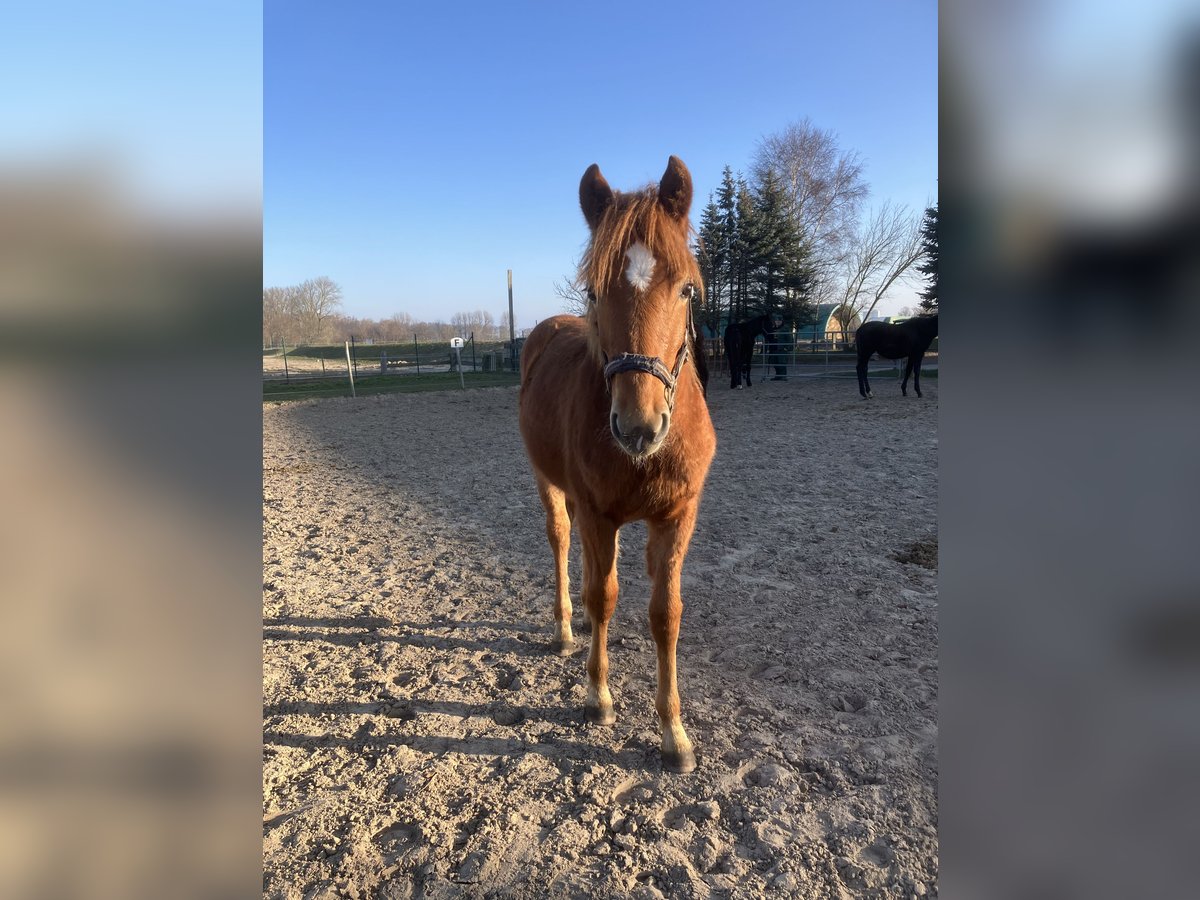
(635, 217)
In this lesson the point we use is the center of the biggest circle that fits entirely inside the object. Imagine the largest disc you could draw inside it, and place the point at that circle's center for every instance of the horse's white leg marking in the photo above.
(641, 266)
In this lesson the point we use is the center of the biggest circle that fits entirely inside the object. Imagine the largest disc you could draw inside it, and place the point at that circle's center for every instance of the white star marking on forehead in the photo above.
(641, 266)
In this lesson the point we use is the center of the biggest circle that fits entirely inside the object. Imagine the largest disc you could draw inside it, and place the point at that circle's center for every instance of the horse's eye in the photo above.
(591, 296)
(688, 292)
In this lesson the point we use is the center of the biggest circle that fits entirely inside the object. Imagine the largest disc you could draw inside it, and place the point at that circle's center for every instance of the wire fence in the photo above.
(784, 360)
(335, 361)
(322, 368)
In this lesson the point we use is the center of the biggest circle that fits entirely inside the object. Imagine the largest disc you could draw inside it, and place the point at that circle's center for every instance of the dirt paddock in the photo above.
(420, 740)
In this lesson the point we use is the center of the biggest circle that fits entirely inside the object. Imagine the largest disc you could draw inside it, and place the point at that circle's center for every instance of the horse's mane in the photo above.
(634, 216)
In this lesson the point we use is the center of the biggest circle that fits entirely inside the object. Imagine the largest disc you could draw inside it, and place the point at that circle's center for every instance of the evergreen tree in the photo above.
(929, 259)
(711, 254)
(778, 266)
(727, 227)
(745, 252)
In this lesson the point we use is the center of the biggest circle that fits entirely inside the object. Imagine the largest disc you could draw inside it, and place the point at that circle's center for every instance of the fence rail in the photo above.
(806, 359)
(316, 362)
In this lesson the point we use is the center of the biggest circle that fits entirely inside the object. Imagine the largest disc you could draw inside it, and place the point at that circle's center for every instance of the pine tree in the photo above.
(778, 263)
(711, 254)
(745, 253)
(929, 259)
(727, 227)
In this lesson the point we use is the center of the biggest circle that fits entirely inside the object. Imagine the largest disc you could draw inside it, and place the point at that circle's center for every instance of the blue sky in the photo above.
(413, 153)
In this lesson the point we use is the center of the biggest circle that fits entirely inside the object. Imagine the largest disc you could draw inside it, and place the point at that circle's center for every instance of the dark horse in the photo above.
(908, 340)
(739, 347)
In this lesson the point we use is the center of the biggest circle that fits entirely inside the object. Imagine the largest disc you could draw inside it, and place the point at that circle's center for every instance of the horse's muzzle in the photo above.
(640, 439)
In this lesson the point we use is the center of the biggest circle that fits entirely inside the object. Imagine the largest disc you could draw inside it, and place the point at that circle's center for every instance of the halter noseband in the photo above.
(652, 365)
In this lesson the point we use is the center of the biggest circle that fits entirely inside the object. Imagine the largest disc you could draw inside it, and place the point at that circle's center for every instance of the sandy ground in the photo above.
(422, 741)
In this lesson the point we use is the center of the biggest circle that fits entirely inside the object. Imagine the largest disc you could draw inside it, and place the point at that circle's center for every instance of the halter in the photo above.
(652, 365)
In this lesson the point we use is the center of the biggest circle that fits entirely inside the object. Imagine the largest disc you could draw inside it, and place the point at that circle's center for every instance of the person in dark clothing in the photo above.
(781, 341)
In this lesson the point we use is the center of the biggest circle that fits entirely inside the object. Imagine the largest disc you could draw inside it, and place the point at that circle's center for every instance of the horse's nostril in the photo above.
(666, 423)
(616, 430)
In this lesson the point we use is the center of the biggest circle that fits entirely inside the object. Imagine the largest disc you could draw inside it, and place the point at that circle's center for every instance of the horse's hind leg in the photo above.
(587, 619)
(558, 532)
(916, 364)
(864, 386)
(665, 550)
(599, 540)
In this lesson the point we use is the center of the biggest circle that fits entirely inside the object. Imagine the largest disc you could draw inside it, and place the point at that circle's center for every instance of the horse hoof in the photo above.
(599, 715)
(563, 648)
(679, 763)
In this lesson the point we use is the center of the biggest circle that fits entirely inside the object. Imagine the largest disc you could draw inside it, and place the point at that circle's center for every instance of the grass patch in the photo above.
(281, 391)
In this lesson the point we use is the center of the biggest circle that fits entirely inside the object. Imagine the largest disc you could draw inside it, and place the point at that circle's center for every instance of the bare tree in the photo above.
(397, 328)
(825, 190)
(904, 241)
(478, 322)
(312, 304)
(276, 321)
(882, 250)
(573, 295)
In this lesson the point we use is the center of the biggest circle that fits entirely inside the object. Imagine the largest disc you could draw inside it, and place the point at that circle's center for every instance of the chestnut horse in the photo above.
(616, 427)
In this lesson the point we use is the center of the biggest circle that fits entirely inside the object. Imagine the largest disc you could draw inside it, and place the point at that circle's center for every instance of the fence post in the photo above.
(353, 355)
(350, 370)
(287, 378)
(416, 353)
(472, 353)
(512, 326)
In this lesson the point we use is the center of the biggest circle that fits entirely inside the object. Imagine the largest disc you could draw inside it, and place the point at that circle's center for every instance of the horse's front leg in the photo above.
(599, 539)
(908, 369)
(916, 364)
(665, 550)
(558, 533)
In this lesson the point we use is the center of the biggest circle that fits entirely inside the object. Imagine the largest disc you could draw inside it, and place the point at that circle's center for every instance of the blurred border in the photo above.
(130, 467)
(1070, 449)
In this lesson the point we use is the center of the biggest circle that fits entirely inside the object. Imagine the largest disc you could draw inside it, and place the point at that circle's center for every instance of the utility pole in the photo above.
(512, 328)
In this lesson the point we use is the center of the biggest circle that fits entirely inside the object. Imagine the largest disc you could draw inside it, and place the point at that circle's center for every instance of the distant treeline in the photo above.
(310, 314)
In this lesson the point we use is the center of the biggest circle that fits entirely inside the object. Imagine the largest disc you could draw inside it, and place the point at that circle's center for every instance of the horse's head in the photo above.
(641, 279)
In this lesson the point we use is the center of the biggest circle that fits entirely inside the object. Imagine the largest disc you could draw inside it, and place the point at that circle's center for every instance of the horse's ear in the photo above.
(595, 195)
(675, 189)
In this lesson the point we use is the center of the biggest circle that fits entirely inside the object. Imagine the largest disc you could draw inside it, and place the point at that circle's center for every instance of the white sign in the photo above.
(456, 343)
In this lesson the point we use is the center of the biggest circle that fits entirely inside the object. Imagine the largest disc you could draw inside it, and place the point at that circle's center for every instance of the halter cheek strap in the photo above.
(652, 365)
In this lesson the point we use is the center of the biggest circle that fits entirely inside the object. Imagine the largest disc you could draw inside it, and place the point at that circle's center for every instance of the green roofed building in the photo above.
(824, 329)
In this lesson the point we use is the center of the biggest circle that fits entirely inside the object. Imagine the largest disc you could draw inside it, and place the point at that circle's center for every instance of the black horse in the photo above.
(910, 339)
(739, 347)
